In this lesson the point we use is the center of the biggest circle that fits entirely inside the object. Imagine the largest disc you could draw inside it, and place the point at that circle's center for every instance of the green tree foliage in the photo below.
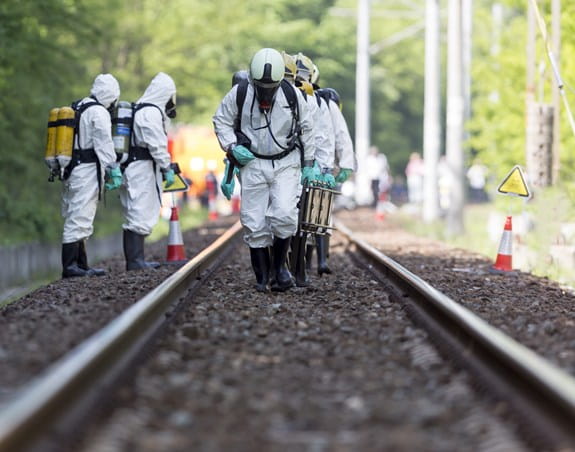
(39, 67)
(497, 127)
(50, 52)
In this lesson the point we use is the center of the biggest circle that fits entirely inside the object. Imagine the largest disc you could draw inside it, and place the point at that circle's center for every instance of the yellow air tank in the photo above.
(50, 152)
(65, 136)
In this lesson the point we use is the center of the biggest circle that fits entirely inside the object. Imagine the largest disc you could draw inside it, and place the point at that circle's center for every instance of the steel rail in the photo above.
(52, 397)
(547, 391)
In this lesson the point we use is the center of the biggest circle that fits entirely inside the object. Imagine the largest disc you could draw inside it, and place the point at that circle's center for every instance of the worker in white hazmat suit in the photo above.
(324, 139)
(277, 137)
(93, 160)
(323, 127)
(344, 159)
(147, 162)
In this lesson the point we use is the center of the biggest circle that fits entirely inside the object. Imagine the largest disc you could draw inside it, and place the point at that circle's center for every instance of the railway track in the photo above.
(314, 330)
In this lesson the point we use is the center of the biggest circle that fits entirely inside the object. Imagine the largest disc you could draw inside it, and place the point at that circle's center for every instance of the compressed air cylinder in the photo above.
(121, 126)
(65, 136)
(50, 152)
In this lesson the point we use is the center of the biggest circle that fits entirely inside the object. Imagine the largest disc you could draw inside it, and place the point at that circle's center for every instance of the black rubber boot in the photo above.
(70, 267)
(261, 264)
(272, 266)
(283, 279)
(134, 252)
(322, 244)
(83, 262)
(308, 256)
(298, 264)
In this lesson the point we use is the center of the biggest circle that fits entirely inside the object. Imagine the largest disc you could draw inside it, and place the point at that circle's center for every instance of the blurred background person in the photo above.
(414, 174)
(378, 172)
(477, 178)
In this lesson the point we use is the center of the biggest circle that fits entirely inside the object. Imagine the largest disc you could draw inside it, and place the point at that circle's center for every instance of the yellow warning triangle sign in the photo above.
(514, 183)
(179, 185)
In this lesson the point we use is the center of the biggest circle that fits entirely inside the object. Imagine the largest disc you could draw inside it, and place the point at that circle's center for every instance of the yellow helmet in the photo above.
(290, 67)
(306, 87)
(304, 67)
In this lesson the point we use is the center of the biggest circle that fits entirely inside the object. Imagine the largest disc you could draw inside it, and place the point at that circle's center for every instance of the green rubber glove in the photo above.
(310, 172)
(328, 179)
(113, 178)
(343, 175)
(242, 154)
(169, 177)
(228, 187)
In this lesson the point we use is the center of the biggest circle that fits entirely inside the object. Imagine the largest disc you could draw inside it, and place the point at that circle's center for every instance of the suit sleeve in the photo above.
(307, 127)
(344, 152)
(224, 119)
(101, 126)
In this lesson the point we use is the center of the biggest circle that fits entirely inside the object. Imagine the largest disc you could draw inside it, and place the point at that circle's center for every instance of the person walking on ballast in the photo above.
(273, 120)
(148, 160)
(93, 160)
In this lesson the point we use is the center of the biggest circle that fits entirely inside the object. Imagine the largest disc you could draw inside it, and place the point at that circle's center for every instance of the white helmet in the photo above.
(266, 74)
(314, 75)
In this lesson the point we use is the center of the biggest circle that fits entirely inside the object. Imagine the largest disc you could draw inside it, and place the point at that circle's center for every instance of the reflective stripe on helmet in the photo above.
(267, 66)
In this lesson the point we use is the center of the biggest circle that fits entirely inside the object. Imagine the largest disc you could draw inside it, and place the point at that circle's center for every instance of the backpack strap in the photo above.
(80, 155)
(287, 88)
(138, 152)
(79, 109)
(240, 98)
(295, 134)
(291, 96)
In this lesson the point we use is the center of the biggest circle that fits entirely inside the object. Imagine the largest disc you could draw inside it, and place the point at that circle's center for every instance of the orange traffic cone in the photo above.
(176, 252)
(504, 255)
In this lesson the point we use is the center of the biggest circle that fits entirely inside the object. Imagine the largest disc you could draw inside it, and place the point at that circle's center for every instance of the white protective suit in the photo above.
(142, 184)
(269, 188)
(344, 154)
(81, 189)
(324, 134)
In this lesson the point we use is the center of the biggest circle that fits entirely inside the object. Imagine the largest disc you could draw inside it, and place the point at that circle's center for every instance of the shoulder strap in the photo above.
(137, 107)
(240, 98)
(291, 96)
(79, 109)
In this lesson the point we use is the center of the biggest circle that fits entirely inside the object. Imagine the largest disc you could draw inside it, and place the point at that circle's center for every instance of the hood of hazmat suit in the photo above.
(161, 89)
(106, 89)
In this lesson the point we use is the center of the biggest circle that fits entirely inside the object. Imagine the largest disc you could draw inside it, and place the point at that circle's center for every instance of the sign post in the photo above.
(513, 185)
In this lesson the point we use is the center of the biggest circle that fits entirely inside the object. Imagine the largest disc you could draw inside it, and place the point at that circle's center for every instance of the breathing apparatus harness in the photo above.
(80, 155)
(138, 152)
(294, 136)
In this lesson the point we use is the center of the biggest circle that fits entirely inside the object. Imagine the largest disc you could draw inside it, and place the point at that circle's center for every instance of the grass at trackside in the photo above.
(537, 225)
